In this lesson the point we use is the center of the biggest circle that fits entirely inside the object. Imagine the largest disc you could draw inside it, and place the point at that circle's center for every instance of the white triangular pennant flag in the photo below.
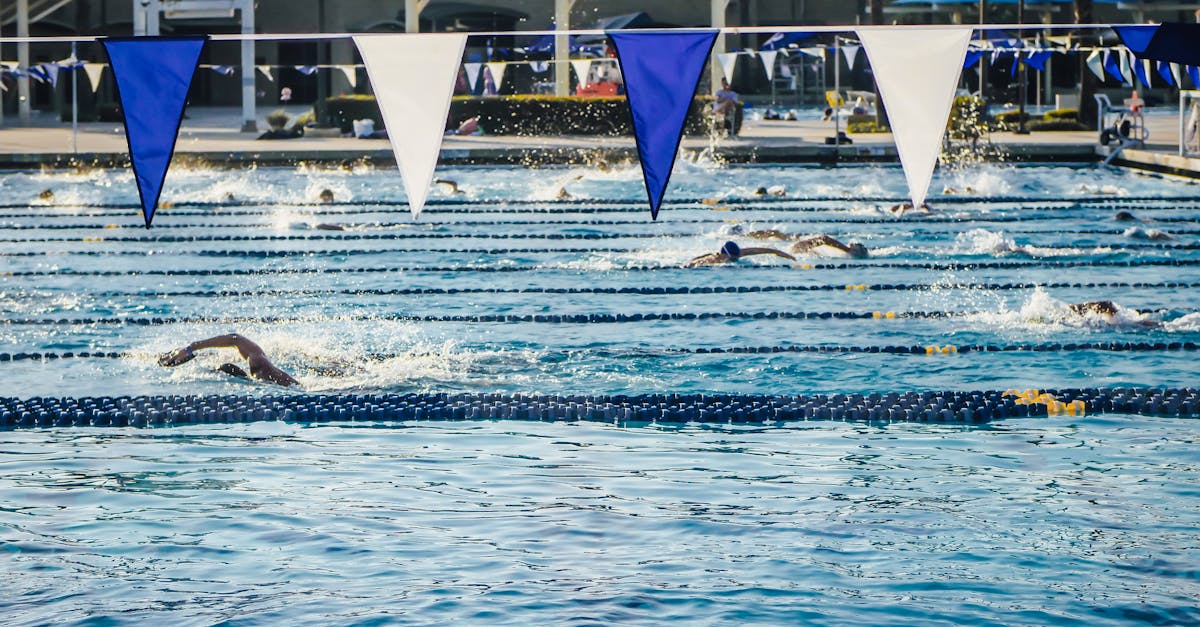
(472, 70)
(51, 71)
(1126, 68)
(918, 102)
(814, 51)
(728, 62)
(94, 71)
(996, 54)
(768, 59)
(583, 69)
(851, 53)
(497, 69)
(1148, 71)
(1176, 75)
(413, 76)
(265, 70)
(1095, 63)
(351, 74)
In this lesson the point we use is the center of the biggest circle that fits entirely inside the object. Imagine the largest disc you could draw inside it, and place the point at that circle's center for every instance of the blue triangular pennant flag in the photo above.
(1112, 65)
(1194, 74)
(1173, 42)
(662, 71)
(1016, 59)
(153, 76)
(1139, 70)
(1037, 60)
(973, 57)
(1164, 70)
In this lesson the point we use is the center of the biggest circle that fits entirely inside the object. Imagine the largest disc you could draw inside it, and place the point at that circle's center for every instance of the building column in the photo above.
(718, 21)
(23, 93)
(562, 47)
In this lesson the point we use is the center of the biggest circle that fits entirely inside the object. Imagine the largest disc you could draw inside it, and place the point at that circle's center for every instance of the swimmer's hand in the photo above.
(176, 357)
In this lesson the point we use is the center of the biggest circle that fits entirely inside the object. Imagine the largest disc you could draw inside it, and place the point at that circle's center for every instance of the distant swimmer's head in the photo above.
(1124, 216)
(732, 229)
(228, 197)
(233, 371)
(856, 251)
(732, 251)
(46, 195)
(1100, 307)
(326, 195)
(761, 191)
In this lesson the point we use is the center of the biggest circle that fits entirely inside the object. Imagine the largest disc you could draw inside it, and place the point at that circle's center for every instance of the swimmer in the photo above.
(774, 190)
(951, 191)
(326, 196)
(562, 193)
(260, 367)
(1125, 216)
(1107, 311)
(1137, 232)
(731, 253)
(823, 244)
(904, 208)
(1103, 190)
(452, 186)
(46, 196)
(228, 197)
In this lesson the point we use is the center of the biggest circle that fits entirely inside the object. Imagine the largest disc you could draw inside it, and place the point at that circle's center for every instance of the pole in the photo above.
(837, 90)
(1022, 77)
(983, 62)
(23, 93)
(249, 115)
(717, 7)
(74, 99)
(562, 47)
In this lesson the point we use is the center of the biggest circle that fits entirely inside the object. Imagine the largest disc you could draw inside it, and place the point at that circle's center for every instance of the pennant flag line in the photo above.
(497, 69)
(472, 70)
(768, 59)
(307, 70)
(918, 103)
(223, 70)
(413, 76)
(728, 62)
(153, 76)
(662, 71)
(583, 69)
(265, 70)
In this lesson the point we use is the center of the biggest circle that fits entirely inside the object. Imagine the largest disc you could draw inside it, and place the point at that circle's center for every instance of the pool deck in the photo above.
(210, 135)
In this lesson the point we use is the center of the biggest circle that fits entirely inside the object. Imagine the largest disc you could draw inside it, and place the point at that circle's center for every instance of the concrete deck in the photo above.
(212, 135)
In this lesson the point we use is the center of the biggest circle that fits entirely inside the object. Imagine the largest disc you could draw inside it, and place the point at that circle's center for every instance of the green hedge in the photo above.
(524, 115)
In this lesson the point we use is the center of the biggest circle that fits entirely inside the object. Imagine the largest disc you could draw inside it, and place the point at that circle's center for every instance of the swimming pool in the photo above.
(505, 290)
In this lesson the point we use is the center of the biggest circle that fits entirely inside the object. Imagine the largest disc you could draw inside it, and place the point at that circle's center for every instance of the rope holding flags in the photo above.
(153, 76)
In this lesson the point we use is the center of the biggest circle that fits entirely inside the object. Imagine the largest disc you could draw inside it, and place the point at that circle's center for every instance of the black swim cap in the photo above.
(731, 250)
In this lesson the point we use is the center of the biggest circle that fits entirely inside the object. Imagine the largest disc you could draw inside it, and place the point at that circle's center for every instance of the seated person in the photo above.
(469, 126)
(731, 253)
(726, 99)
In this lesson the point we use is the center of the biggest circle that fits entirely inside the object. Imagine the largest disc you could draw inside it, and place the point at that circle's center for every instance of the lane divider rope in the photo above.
(966, 407)
(648, 291)
(942, 267)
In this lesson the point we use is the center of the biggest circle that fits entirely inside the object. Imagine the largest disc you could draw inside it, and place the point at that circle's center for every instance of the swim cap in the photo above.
(731, 250)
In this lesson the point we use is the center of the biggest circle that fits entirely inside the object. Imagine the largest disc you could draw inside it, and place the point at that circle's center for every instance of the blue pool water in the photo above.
(1063, 521)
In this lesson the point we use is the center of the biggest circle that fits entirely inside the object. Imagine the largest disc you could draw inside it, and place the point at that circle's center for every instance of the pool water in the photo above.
(1040, 521)
(491, 290)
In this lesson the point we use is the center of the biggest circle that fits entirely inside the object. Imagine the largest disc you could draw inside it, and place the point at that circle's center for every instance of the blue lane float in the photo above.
(965, 407)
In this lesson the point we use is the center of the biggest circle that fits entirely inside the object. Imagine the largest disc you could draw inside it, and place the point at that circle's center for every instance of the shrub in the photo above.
(525, 114)
(864, 124)
(1062, 114)
(1010, 118)
(277, 119)
(1057, 125)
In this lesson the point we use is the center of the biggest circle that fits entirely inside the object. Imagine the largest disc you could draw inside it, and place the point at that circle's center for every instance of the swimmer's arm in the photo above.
(231, 340)
(702, 260)
(746, 252)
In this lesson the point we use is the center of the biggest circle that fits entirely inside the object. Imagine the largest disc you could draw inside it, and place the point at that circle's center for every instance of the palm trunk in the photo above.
(1087, 80)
